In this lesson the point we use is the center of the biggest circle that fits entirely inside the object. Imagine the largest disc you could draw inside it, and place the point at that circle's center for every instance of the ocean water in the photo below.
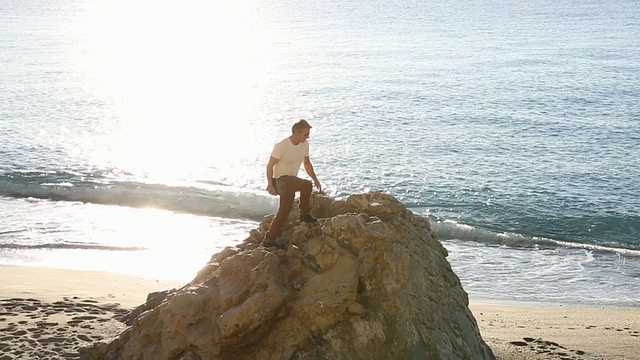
(134, 135)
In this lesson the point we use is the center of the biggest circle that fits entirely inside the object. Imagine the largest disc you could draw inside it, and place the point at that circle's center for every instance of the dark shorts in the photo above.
(279, 184)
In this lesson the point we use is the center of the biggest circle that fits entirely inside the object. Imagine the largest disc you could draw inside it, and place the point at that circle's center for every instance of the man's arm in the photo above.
(270, 188)
(309, 169)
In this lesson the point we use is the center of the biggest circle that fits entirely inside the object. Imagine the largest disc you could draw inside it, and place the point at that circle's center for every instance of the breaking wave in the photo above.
(69, 246)
(451, 230)
(203, 198)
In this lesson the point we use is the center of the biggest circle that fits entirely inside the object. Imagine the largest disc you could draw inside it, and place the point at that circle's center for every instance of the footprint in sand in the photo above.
(84, 338)
(45, 324)
(549, 348)
(50, 340)
(34, 337)
(631, 332)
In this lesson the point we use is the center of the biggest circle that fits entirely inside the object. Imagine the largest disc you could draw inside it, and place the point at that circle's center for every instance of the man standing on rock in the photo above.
(283, 180)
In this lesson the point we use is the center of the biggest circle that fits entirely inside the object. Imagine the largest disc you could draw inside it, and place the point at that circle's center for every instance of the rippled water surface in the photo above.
(129, 131)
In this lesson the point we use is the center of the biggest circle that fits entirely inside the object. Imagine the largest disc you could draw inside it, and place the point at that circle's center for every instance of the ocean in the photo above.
(134, 135)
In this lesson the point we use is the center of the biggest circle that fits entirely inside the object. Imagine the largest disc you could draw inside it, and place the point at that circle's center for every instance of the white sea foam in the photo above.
(452, 230)
(212, 200)
(562, 275)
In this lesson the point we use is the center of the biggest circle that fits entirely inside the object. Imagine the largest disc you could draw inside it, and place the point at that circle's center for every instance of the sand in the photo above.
(543, 331)
(51, 313)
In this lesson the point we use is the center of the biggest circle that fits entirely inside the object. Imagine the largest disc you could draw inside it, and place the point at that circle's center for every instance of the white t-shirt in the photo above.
(290, 157)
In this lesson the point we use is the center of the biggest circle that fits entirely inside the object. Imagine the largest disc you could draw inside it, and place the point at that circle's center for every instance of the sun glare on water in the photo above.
(171, 92)
(145, 242)
(181, 84)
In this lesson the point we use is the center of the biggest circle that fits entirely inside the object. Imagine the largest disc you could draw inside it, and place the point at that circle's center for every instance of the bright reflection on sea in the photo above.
(141, 242)
(162, 93)
(178, 87)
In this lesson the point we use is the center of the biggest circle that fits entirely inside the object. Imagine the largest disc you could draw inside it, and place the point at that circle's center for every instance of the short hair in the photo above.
(300, 125)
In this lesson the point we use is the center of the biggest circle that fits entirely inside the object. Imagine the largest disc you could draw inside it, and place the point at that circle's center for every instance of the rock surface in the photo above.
(367, 281)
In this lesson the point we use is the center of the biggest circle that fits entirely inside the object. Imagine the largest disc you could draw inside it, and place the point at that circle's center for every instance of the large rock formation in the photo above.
(367, 281)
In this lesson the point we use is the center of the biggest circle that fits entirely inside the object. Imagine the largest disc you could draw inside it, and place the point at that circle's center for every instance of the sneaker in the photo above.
(307, 218)
(268, 242)
(271, 243)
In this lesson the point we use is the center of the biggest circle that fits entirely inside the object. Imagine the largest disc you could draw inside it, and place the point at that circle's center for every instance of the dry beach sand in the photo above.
(537, 331)
(50, 313)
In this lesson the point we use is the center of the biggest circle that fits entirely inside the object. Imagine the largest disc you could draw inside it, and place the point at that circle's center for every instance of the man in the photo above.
(283, 180)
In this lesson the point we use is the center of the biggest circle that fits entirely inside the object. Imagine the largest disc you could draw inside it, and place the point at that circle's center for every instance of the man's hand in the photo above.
(319, 187)
(272, 189)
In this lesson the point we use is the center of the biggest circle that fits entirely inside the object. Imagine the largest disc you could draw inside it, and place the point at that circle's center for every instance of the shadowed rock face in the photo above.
(367, 281)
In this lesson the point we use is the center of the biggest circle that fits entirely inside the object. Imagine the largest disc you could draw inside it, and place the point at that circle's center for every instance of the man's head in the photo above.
(300, 130)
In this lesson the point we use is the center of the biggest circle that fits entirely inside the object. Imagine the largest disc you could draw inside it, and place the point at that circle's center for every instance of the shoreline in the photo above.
(54, 312)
